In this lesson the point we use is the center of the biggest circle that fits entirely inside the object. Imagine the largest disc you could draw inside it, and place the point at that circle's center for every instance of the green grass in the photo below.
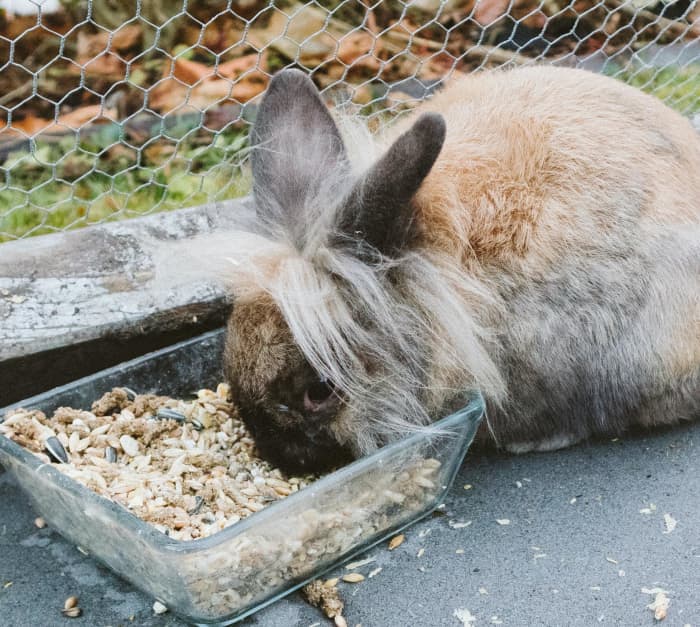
(67, 183)
(677, 87)
(100, 177)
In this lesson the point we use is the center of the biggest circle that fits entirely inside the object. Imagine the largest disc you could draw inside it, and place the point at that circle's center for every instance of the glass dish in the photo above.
(223, 578)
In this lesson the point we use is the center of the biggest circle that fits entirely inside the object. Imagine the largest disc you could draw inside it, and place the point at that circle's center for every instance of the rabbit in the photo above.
(531, 233)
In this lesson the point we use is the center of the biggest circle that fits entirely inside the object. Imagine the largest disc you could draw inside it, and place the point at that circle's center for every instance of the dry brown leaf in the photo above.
(90, 113)
(128, 36)
(189, 72)
(356, 46)
(234, 68)
(486, 12)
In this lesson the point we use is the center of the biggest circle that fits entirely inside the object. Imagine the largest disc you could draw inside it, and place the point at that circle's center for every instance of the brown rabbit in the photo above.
(532, 233)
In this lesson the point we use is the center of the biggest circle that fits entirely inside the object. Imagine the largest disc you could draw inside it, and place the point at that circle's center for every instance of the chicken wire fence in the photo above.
(114, 109)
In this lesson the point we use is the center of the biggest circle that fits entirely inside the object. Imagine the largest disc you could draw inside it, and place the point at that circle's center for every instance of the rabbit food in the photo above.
(190, 469)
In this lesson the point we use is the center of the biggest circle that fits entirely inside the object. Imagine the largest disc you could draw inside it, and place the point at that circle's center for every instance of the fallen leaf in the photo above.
(486, 12)
(188, 72)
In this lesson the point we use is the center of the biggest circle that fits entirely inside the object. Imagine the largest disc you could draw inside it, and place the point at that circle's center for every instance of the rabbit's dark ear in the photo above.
(294, 142)
(379, 211)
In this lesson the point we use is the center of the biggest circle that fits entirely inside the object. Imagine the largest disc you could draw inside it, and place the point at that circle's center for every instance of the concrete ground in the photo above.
(577, 550)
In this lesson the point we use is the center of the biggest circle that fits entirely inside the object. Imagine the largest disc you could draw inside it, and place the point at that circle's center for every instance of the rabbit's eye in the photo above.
(319, 391)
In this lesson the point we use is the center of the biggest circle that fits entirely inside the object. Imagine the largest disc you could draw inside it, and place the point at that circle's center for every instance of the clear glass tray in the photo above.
(231, 574)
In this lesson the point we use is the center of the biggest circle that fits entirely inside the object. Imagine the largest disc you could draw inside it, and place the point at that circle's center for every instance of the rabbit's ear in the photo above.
(379, 210)
(294, 142)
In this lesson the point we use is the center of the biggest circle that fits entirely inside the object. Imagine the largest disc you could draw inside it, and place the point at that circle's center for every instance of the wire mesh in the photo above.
(114, 109)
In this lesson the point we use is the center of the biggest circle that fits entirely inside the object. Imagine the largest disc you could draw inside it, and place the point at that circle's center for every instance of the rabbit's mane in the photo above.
(396, 336)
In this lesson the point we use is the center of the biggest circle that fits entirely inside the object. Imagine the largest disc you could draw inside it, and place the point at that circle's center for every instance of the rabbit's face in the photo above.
(287, 407)
(331, 302)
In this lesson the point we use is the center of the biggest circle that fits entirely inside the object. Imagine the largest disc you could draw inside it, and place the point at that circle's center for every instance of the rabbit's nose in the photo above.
(318, 395)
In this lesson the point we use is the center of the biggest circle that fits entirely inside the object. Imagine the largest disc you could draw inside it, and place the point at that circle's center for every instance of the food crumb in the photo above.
(159, 608)
(463, 615)
(39, 523)
(483, 591)
(340, 621)
(503, 521)
(459, 551)
(456, 524)
(670, 523)
(648, 510)
(468, 486)
(420, 552)
(7, 584)
(325, 597)
(660, 603)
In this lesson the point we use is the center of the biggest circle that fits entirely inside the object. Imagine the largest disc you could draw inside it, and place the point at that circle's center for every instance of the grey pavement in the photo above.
(577, 550)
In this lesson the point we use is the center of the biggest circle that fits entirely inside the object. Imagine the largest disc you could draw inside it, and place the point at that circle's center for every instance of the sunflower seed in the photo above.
(165, 413)
(111, 454)
(197, 424)
(70, 603)
(55, 449)
(396, 541)
(199, 501)
(130, 394)
(73, 612)
(353, 578)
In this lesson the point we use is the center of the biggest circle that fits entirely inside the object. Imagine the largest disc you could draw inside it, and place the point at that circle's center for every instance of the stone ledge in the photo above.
(74, 303)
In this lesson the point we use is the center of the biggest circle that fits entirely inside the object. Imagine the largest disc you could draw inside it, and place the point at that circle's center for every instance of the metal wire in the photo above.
(108, 113)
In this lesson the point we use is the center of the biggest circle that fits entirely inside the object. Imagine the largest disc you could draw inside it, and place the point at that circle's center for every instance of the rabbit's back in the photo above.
(578, 199)
(540, 158)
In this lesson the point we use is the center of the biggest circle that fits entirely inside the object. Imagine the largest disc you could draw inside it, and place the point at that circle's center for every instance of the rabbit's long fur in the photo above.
(535, 233)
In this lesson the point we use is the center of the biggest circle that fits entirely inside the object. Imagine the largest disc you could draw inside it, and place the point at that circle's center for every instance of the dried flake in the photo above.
(611, 560)
(468, 486)
(454, 524)
(503, 521)
(374, 572)
(573, 500)
(660, 603)
(159, 608)
(7, 584)
(518, 484)
(670, 523)
(396, 541)
(496, 621)
(340, 621)
(420, 552)
(648, 510)
(360, 563)
(353, 578)
(463, 615)
(483, 591)
(39, 523)
(537, 556)
(459, 551)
